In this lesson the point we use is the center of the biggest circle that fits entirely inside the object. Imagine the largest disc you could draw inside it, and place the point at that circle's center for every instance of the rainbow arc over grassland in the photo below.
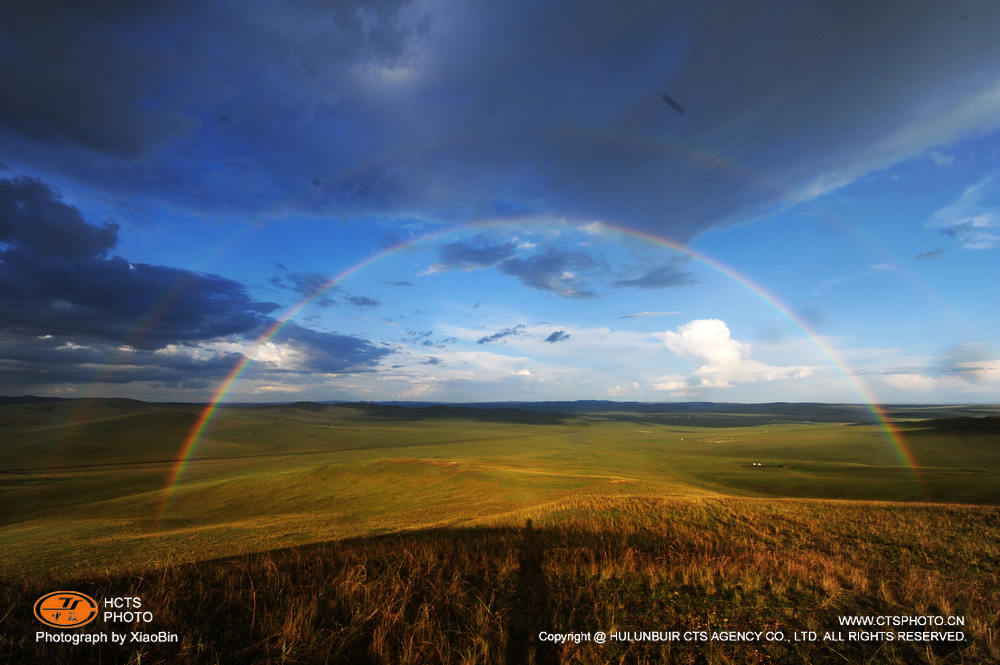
(190, 443)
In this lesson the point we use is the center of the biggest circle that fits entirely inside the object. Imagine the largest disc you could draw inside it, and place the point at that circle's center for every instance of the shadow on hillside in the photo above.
(530, 606)
(989, 425)
(482, 594)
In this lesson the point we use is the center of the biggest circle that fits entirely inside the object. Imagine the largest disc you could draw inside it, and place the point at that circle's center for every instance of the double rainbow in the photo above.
(890, 431)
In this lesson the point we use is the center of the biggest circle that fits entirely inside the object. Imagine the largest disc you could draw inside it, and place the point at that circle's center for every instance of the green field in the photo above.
(744, 517)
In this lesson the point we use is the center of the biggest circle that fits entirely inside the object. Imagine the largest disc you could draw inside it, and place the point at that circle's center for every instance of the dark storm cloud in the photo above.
(553, 270)
(69, 312)
(69, 77)
(55, 278)
(558, 336)
(663, 276)
(36, 222)
(430, 111)
(431, 360)
(476, 253)
(74, 73)
(506, 332)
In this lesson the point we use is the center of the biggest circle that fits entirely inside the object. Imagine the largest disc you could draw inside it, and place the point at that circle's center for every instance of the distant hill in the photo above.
(966, 418)
(30, 399)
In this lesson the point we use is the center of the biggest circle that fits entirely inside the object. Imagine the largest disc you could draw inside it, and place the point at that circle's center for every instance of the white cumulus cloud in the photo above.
(722, 360)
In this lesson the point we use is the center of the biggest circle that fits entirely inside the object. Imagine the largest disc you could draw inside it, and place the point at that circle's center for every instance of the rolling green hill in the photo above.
(641, 522)
(93, 473)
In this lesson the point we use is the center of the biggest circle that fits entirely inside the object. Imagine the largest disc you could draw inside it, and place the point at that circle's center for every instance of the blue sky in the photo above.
(174, 183)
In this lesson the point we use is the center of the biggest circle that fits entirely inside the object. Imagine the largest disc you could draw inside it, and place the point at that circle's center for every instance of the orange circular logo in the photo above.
(65, 609)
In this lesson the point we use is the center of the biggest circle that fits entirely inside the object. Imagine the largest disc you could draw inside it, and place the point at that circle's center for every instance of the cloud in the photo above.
(330, 352)
(423, 337)
(670, 274)
(558, 336)
(294, 355)
(967, 369)
(941, 159)
(570, 123)
(317, 287)
(643, 315)
(474, 254)
(400, 283)
(363, 301)
(506, 332)
(911, 382)
(619, 390)
(976, 377)
(973, 362)
(929, 254)
(69, 312)
(35, 222)
(267, 389)
(308, 285)
(722, 361)
(85, 99)
(55, 278)
(28, 362)
(553, 270)
(973, 219)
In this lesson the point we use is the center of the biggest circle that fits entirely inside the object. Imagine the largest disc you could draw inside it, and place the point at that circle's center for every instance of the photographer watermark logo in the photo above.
(65, 609)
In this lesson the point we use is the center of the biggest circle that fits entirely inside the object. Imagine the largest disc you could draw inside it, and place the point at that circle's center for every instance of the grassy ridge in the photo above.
(478, 595)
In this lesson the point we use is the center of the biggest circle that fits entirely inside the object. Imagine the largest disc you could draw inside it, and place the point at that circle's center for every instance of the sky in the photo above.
(449, 201)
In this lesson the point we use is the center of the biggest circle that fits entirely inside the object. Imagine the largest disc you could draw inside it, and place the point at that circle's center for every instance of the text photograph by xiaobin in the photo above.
(434, 332)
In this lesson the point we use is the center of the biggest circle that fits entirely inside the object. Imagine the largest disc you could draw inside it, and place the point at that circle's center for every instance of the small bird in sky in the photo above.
(673, 104)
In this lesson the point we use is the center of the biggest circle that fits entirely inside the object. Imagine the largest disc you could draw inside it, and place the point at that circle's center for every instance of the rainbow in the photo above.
(890, 431)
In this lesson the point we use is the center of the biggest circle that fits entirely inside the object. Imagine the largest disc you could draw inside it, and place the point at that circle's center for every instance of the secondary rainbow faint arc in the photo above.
(206, 414)
(889, 429)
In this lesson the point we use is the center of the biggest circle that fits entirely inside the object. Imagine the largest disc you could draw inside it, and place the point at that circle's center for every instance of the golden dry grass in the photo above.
(481, 594)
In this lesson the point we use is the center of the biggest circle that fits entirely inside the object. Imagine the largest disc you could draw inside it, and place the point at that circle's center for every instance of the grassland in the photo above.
(351, 533)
